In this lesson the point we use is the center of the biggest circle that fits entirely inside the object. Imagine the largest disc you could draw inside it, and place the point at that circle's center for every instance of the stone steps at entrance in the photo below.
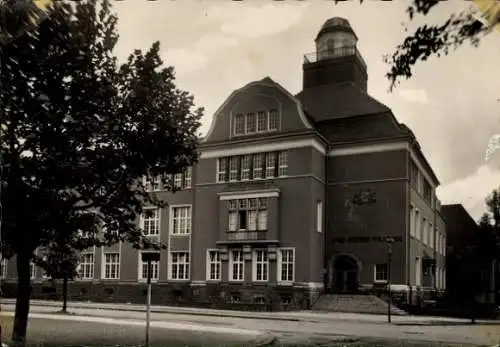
(354, 303)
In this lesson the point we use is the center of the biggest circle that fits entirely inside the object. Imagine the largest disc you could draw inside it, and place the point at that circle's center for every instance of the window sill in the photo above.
(213, 281)
(188, 234)
(285, 284)
(380, 281)
(236, 281)
(178, 280)
(145, 280)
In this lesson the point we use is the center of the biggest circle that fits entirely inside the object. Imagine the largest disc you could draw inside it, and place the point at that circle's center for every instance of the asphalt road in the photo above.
(62, 332)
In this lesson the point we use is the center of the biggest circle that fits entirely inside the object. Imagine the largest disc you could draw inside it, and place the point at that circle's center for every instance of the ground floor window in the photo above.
(86, 266)
(381, 273)
(260, 265)
(179, 269)
(143, 269)
(213, 265)
(286, 265)
(111, 265)
(236, 266)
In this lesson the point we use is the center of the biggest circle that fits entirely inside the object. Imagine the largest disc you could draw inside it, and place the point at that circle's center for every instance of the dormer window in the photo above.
(260, 122)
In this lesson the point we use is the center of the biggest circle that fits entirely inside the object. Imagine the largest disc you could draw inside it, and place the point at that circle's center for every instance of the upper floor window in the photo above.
(252, 166)
(251, 123)
(414, 175)
(152, 184)
(150, 221)
(182, 180)
(3, 268)
(427, 191)
(181, 220)
(247, 214)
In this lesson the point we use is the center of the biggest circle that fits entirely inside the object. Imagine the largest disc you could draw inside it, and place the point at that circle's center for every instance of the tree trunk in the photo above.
(22, 300)
(65, 294)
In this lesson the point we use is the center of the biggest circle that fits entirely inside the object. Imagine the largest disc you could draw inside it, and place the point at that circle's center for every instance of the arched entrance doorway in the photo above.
(345, 274)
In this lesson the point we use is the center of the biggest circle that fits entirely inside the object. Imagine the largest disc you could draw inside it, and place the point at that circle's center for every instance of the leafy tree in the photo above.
(468, 26)
(79, 133)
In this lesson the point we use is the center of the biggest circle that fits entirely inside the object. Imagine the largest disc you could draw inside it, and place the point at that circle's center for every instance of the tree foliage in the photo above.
(79, 133)
(437, 40)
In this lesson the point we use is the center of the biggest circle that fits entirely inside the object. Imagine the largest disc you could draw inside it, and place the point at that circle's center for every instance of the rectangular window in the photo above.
(111, 265)
(143, 269)
(188, 177)
(152, 184)
(236, 266)
(181, 220)
(179, 269)
(247, 214)
(214, 265)
(412, 221)
(319, 216)
(423, 231)
(251, 123)
(245, 167)
(381, 273)
(233, 215)
(417, 224)
(262, 121)
(86, 266)
(178, 180)
(150, 221)
(32, 270)
(414, 175)
(257, 166)
(427, 191)
(260, 266)
(431, 236)
(233, 169)
(286, 268)
(222, 169)
(282, 163)
(3, 268)
(418, 272)
(273, 120)
(239, 124)
(270, 165)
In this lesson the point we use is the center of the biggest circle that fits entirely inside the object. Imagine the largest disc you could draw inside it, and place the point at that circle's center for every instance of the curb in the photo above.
(76, 305)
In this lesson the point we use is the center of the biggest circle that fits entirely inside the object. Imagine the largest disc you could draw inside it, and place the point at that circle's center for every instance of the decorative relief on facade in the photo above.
(364, 197)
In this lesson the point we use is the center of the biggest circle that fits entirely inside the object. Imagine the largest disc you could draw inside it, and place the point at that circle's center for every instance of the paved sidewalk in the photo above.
(309, 316)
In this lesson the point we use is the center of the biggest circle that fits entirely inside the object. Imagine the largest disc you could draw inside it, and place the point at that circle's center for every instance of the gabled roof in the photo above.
(339, 100)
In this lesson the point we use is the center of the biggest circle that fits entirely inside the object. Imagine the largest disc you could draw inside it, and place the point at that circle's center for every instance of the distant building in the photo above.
(293, 196)
(463, 258)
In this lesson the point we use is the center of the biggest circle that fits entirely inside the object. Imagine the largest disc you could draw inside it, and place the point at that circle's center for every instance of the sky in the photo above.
(451, 103)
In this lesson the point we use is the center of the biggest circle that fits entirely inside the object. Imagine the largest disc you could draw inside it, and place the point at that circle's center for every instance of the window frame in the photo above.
(155, 265)
(239, 262)
(376, 272)
(186, 263)
(280, 279)
(105, 264)
(217, 263)
(89, 266)
(264, 263)
(173, 220)
(156, 219)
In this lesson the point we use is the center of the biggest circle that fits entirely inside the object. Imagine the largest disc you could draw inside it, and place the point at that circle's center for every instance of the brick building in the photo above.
(293, 195)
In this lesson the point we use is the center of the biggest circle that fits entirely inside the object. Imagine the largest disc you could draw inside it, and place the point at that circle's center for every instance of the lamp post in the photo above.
(389, 242)
(149, 257)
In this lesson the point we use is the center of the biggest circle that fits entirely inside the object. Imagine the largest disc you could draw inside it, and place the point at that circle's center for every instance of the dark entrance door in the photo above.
(345, 274)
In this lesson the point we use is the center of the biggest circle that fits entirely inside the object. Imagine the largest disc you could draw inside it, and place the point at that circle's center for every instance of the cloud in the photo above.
(415, 95)
(252, 22)
(185, 61)
(471, 191)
